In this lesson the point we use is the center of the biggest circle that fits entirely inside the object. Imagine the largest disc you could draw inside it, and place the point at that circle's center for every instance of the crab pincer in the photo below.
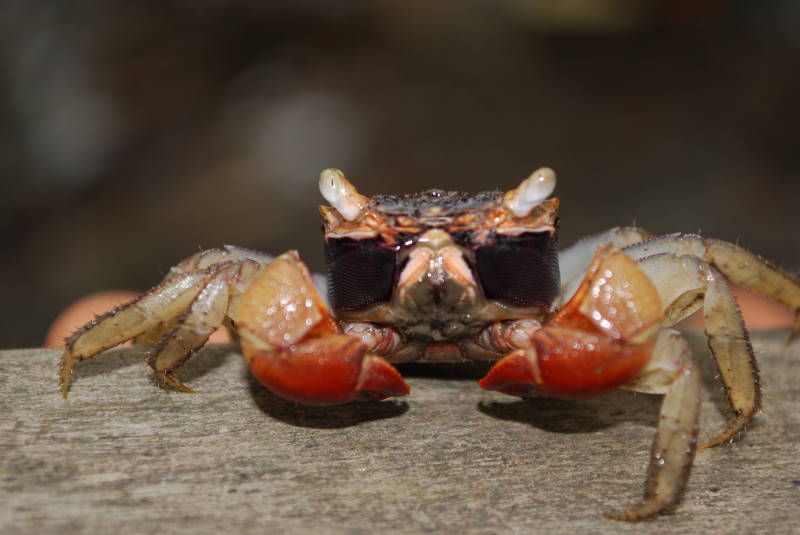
(597, 342)
(295, 348)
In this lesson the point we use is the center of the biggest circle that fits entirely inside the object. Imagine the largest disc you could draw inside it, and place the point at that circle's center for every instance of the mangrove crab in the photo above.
(443, 276)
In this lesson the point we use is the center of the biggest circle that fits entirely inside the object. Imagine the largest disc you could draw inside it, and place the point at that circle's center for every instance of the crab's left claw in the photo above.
(598, 341)
(295, 349)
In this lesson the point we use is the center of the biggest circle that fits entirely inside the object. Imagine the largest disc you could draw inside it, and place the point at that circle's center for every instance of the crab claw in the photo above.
(326, 371)
(295, 348)
(598, 341)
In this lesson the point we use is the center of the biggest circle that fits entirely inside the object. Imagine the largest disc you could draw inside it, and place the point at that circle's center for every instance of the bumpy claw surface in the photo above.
(295, 349)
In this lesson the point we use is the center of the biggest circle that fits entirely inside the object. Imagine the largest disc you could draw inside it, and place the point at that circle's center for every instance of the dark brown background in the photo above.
(132, 134)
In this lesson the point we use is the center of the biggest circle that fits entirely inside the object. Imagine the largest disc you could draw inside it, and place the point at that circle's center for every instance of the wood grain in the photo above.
(122, 456)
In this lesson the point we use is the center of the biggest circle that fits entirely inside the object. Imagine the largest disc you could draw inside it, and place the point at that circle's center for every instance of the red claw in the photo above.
(598, 341)
(567, 363)
(326, 371)
(296, 349)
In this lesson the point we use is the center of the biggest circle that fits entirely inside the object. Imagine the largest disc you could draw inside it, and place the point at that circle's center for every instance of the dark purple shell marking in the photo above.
(360, 273)
(520, 270)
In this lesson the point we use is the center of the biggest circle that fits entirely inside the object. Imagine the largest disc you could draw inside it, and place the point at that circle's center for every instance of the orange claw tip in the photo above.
(380, 380)
(514, 374)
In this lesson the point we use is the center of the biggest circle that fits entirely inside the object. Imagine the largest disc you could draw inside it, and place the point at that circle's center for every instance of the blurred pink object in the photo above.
(758, 312)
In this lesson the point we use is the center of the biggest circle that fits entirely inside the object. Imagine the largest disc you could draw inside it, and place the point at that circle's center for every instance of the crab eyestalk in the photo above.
(531, 192)
(341, 194)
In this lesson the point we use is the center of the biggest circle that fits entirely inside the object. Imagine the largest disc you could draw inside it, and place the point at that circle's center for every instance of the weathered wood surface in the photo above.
(122, 456)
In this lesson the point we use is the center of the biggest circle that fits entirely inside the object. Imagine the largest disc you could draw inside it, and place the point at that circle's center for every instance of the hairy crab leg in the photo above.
(687, 283)
(672, 372)
(737, 264)
(120, 324)
(190, 332)
(575, 259)
(164, 315)
(295, 348)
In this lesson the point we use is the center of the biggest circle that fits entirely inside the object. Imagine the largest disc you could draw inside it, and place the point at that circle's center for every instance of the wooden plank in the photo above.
(123, 456)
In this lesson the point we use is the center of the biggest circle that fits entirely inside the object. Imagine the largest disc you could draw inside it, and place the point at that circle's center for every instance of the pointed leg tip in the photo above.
(629, 516)
(169, 381)
(716, 441)
(734, 431)
(643, 511)
(65, 373)
(615, 515)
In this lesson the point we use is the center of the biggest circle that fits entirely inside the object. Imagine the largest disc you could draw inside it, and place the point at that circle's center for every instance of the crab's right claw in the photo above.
(295, 349)
(325, 371)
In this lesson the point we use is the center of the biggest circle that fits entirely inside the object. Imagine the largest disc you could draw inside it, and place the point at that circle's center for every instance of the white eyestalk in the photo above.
(531, 192)
(341, 194)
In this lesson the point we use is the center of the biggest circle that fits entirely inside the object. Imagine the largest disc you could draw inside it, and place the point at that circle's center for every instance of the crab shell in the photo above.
(440, 266)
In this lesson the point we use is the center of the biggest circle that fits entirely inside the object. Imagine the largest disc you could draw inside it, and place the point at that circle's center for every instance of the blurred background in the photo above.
(133, 134)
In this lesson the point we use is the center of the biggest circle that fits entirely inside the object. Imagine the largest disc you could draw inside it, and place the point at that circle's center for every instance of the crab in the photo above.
(445, 277)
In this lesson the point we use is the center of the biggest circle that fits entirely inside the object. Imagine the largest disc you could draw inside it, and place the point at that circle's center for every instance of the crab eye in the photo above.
(360, 272)
(520, 270)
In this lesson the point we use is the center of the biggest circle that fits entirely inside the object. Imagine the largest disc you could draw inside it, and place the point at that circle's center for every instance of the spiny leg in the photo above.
(175, 341)
(247, 260)
(737, 264)
(687, 283)
(730, 345)
(157, 313)
(672, 372)
(574, 260)
(120, 324)
(190, 332)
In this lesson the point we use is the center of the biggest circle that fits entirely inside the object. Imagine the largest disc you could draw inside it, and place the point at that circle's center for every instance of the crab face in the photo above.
(441, 265)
